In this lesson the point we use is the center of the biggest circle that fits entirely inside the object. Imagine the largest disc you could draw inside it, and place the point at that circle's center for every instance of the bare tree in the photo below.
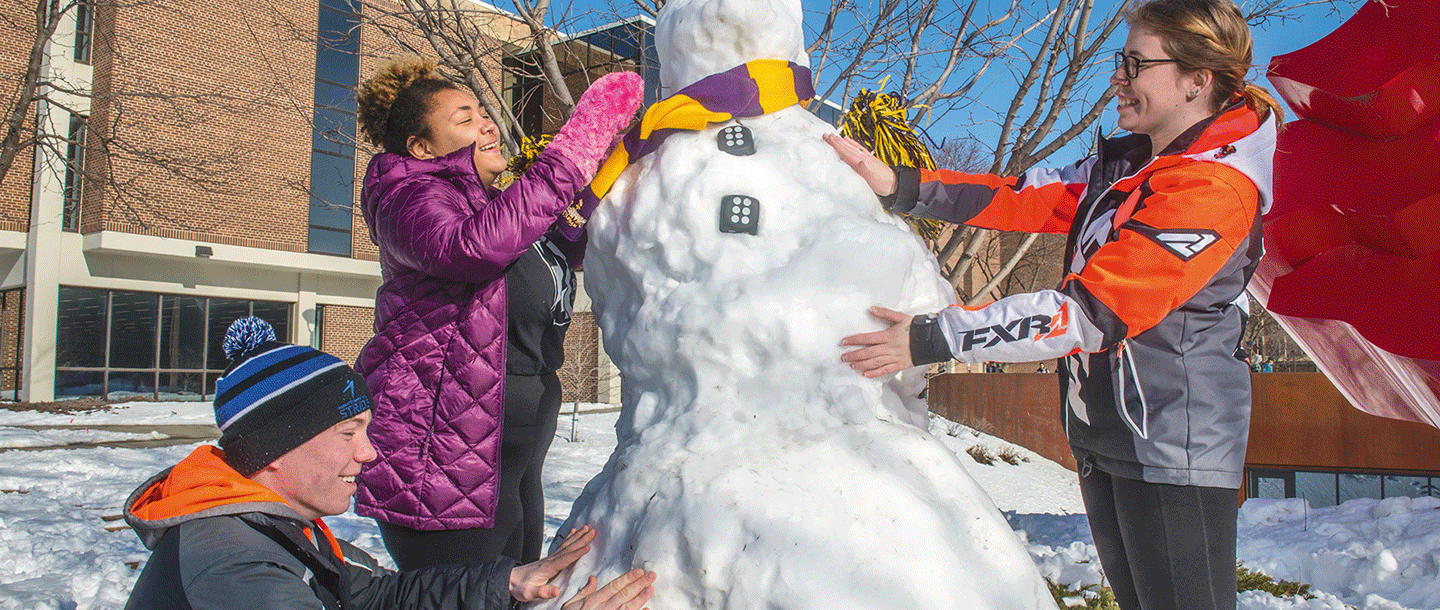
(497, 54)
(109, 144)
(1265, 339)
(940, 56)
(586, 368)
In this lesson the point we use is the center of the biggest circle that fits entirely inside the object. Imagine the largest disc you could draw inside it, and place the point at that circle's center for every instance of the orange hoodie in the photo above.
(203, 485)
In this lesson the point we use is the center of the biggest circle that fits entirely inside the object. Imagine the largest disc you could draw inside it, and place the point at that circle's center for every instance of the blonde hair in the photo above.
(1209, 35)
(391, 105)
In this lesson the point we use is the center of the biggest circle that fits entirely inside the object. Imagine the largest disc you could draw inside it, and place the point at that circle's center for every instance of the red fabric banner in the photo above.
(1352, 263)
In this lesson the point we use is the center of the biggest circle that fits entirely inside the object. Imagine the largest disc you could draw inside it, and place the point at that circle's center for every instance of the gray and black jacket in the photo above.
(1144, 321)
(222, 542)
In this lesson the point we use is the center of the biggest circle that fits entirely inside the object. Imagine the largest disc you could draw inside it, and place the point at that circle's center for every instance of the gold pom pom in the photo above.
(530, 149)
(877, 121)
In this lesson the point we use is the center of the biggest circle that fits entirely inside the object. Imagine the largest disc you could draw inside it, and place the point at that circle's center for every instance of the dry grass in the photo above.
(68, 407)
(1011, 456)
(981, 454)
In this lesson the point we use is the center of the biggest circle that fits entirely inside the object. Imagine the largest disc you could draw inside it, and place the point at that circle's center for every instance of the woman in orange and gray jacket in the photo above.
(1164, 234)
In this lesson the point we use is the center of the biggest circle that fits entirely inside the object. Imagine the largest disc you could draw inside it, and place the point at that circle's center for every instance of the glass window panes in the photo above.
(182, 332)
(164, 346)
(74, 174)
(332, 163)
(210, 384)
(331, 217)
(1326, 488)
(182, 386)
(223, 313)
(277, 314)
(84, 24)
(1269, 487)
(334, 96)
(339, 32)
(123, 384)
(332, 180)
(352, 6)
(1317, 487)
(1412, 487)
(335, 134)
(335, 65)
(1353, 486)
(133, 320)
(329, 241)
(74, 384)
(80, 333)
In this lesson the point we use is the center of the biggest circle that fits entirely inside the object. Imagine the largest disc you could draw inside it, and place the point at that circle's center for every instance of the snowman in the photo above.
(754, 470)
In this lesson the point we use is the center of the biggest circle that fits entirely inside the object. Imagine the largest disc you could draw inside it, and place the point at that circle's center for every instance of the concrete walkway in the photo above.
(190, 433)
(179, 435)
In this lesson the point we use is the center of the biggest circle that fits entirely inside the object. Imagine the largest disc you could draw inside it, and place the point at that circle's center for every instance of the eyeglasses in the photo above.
(1131, 65)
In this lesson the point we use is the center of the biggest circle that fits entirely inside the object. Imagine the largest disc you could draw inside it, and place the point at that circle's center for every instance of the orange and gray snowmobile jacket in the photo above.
(221, 541)
(1144, 319)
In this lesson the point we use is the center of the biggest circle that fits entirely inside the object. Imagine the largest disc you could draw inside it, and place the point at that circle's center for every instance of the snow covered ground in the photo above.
(63, 547)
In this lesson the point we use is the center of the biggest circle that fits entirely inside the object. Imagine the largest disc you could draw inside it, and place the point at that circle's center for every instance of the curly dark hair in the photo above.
(392, 104)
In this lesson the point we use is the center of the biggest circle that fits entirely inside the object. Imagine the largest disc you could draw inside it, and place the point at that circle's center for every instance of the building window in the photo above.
(84, 30)
(828, 111)
(12, 333)
(1331, 488)
(627, 45)
(317, 338)
(74, 173)
(117, 344)
(332, 155)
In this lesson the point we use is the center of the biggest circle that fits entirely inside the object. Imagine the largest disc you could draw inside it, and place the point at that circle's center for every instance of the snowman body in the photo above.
(753, 469)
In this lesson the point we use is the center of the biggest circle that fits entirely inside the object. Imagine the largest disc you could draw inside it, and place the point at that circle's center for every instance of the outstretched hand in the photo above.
(628, 592)
(531, 581)
(876, 173)
(885, 351)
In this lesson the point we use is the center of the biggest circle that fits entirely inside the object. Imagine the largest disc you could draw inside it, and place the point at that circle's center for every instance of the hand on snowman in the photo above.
(628, 592)
(606, 108)
(531, 582)
(885, 351)
(876, 173)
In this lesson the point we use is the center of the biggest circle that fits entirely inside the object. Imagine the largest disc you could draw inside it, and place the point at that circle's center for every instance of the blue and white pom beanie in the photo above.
(275, 396)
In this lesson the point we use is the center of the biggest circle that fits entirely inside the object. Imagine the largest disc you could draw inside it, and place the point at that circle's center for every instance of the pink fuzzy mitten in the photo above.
(605, 108)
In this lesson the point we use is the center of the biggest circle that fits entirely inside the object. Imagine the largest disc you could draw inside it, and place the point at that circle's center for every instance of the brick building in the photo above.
(210, 173)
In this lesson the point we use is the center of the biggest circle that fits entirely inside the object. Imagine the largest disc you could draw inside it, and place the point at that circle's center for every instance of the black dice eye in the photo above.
(739, 214)
(736, 140)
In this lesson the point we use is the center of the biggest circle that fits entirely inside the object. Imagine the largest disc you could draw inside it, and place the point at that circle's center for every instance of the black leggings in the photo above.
(532, 406)
(1163, 546)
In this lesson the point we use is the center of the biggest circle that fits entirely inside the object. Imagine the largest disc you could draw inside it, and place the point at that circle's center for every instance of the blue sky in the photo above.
(1274, 38)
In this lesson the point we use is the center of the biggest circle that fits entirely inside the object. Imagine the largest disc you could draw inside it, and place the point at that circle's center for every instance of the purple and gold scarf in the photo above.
(749, 90)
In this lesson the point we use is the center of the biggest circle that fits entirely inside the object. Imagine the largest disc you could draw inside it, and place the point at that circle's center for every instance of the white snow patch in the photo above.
(16, 438)
(157, 413)
(56, 553)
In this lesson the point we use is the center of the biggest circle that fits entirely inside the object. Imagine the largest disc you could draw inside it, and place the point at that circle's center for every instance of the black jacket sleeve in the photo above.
(464, 586)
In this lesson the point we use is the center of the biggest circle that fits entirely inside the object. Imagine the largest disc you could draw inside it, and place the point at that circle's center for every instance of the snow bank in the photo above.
(56, 552)
(158, 413)
(17, 438)
(1374, 554)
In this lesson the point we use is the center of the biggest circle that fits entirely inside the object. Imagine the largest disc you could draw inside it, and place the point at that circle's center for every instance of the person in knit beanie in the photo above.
(238, 526)
(275, 396)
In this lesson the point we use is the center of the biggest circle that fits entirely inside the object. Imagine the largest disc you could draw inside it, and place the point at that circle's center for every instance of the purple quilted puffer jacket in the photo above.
(436, 366)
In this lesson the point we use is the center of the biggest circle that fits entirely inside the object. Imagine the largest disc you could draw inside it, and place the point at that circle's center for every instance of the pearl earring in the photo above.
(1190, 97)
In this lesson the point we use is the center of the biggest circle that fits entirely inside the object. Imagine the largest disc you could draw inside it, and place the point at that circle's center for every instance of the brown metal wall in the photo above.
(1298, 421)
(1301, 421)
(1023, 408)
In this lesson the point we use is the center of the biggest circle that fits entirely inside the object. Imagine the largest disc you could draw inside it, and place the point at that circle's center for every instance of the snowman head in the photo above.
(697, 38)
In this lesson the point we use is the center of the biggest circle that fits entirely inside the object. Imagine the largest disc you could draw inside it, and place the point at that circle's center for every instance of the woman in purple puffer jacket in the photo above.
(471, 317)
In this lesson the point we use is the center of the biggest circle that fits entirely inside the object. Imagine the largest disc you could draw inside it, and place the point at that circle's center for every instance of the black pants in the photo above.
(532, 405)
(1163, 547)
